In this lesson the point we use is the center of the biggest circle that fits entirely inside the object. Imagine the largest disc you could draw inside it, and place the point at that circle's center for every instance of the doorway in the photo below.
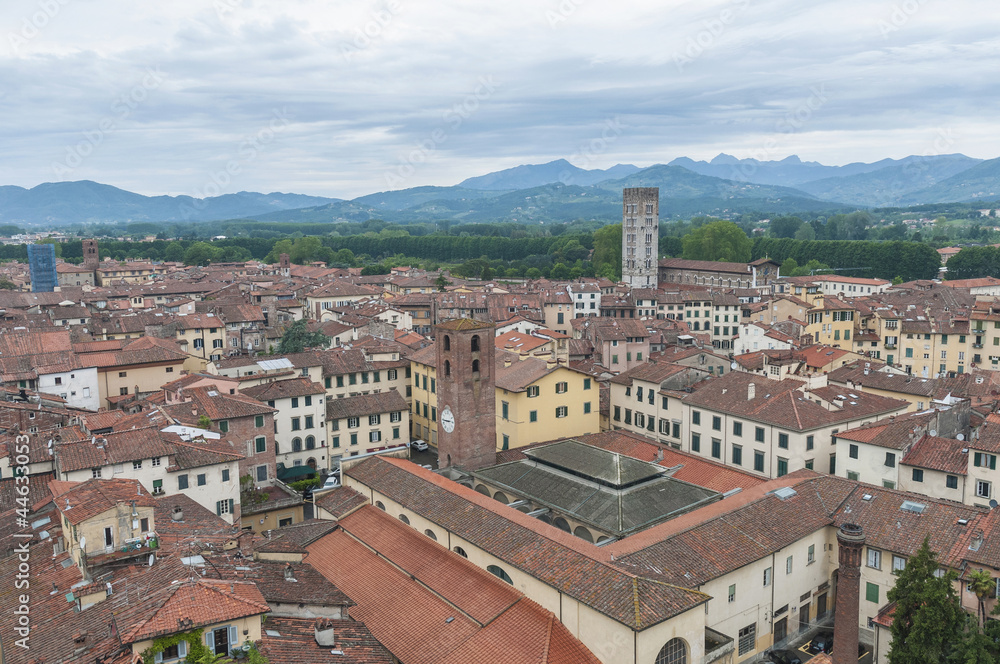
(220, 639)
(780, 630)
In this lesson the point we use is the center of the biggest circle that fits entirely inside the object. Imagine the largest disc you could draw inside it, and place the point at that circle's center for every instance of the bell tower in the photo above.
(466, 394)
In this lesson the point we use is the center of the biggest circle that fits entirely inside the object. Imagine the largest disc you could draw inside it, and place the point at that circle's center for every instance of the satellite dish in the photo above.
(734, 366)
(960, 436)
(993, 503)
(83, 543)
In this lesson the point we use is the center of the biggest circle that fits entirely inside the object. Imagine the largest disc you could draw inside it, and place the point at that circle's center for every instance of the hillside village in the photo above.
(664, 470)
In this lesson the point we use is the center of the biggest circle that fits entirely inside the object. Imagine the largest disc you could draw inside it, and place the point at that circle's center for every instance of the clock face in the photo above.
(448, 419)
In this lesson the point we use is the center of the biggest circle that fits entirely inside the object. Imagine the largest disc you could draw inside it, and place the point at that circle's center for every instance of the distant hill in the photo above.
(895, 182)
(86, 201)
(528, 176)
(981, 182)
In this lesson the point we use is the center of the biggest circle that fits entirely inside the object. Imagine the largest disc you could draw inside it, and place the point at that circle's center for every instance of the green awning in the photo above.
(294, 473)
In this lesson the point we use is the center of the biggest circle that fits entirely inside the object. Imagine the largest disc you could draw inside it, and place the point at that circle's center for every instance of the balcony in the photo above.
(977, 345)
(890, 346)
(717, 646)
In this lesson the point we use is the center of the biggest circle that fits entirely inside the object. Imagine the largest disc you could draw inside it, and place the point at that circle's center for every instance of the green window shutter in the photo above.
(231, 506)
(993, 462)
(977, 459)
(218, 508)
(871, 592)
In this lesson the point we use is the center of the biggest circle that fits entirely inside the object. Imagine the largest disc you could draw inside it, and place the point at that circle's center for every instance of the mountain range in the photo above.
(556, 191)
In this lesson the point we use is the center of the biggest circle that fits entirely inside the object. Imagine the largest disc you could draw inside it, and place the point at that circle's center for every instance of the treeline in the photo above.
(878, 260)
(974, 262)
(446, 248)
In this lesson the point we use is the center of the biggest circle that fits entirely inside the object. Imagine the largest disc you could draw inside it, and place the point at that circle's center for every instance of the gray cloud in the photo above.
(333, 98)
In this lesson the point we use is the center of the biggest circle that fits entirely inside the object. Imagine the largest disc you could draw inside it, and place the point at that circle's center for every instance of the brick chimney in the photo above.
(851, 540)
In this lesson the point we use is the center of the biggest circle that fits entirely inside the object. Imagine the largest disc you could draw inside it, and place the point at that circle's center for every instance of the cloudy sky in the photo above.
(343, 98)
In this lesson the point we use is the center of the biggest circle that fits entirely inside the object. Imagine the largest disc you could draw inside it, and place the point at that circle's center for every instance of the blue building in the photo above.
(42, 263)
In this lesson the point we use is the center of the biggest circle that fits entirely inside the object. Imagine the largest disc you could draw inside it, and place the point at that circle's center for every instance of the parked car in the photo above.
(419, 446)
(822, 642)
(784, 656)
(332, 482)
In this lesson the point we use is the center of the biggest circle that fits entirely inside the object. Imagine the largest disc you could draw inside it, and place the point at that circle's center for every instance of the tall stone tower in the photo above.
(640, 236)
(850, 541)
(90, 254)
(466, 393)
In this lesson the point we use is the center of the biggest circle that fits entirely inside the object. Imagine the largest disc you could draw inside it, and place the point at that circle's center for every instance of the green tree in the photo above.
(784, 226)
(718, 241)
(559, 271)
(533, 273)
(201, 253)
(982, 584)
(805, 233)
(297, 338)
(174, 252)
(441, 282)
(7, 284)
(607, 258)
(55, 243)
(928, 618)
(788, 267)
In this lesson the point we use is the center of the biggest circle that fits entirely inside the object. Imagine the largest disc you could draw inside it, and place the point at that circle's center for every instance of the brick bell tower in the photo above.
(466, 395)
(850, 541)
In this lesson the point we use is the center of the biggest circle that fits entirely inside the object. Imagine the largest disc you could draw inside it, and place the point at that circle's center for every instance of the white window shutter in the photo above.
(210, 641)
(159, 657)
(232, 635)
(182, 649)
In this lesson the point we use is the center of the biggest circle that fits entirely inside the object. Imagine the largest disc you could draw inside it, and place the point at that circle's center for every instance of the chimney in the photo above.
(751, 391)
(851, 540)
(324, 633)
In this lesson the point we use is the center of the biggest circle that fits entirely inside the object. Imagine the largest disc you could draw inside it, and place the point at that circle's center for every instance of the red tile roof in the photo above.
(943, 454)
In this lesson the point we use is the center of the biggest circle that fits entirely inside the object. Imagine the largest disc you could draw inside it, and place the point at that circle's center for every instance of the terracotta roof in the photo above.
(943, 454)
(365, 404)
(293, 641)
(283, 389)
(83, 500)
(341, 501)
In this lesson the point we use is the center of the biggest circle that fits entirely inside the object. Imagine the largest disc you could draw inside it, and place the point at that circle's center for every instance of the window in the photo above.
(260, 444)
(374, 420)
(809, 442)
(182, 482)
(586, 409)
(674, 652)
(716, 448)
(871, 592)
(137, 465)
(890, 460)
(898, 563)
(122, 391)
(737, 456)
(618, 414)
(758, 461)
(225, 474)
(405, 519)
(296, 444)
(767, 577)
(951, 481)
(918, 475)
(788, 565)
(747, 639)
(811, 554)
(982, 489)
(586, 383)
(499, 573)
(562, 411)
(783, 441)
(695, 417)
(732, 593)
(695, 443)
(983, 460)
(874, 558)
(504, 410)
(335, 442)
(258, 421)
(532, 391)
(224, 426)
(533, 416)
(354, 422)
(758, 434)
(202, 479)
(852, 475)
(391, 374)
(261, 473)
(122, 374)
(737, 428)
(852, 451)
(716, 423)
(782, 467)
(155, 461)
(561, 387)
(296, 423)
(374, 436)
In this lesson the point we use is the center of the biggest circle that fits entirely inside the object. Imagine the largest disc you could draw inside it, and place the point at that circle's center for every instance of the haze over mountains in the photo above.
(556, 191)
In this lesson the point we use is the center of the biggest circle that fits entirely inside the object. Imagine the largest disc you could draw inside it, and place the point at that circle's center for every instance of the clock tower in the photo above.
(466, 394)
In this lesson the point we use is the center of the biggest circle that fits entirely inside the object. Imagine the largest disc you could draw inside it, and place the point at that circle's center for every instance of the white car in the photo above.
(331, 483)
(419, 446)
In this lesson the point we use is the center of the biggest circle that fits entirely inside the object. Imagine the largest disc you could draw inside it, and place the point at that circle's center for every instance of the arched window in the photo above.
(310, 442)
(561, 524)
(296, 444)
(311, 463)
(404, 519)
(430, 533)
(475, 366)
(447, 342)
(583, 534)
(501, 497)
(674, 652)
(379, 504)
(447, 366)
(460, 551)
(475, 343)
(483, 490)
(500, 574)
